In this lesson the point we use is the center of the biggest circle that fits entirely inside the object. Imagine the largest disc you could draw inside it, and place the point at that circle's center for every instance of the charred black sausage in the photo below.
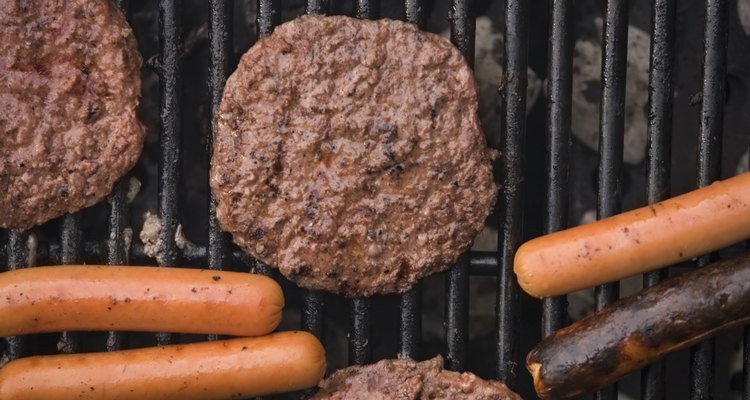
(641, 329)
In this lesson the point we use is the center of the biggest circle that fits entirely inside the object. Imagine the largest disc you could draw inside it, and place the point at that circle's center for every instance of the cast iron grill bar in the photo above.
(709, 163)
(18, 257)
(360, 348)
(660, 100)
(312, 312)
(611, 131)
(512, 135)
(313, 301)
(220, 48)
(368, 9)
(269, 15)
(481, 263)
(317, 7)
(559, 87)
(117, 246)
(70, 241)
(462, 23)
(414, 12)
(410, 337)
(170, 90)
(220, 54)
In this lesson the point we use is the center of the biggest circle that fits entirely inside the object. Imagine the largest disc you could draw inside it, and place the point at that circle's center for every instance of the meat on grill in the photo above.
(69, 89)
(407, 380)
(348, 154)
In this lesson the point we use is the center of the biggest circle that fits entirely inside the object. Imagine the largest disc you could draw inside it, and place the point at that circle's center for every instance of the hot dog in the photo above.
(638, 330)
(637, 241)
(228, 369)
(75, 298)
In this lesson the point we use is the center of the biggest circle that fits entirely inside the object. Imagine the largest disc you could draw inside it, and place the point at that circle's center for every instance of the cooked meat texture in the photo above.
(407, 380)
(349, 155)
(69, 88)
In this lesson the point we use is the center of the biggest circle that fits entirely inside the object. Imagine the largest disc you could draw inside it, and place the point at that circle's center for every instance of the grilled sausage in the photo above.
(75, 298)
(637, 241)
(228, 369)
(642, 329)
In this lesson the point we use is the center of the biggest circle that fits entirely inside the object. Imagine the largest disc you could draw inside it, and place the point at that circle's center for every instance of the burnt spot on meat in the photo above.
(258, 233)
(92, 114)
(311, 209)
(273, 186)
(216, 278)
(388, 152)
(302, 269)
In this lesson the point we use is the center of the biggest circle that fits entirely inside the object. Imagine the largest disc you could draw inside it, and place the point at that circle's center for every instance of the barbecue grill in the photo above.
(105, 235)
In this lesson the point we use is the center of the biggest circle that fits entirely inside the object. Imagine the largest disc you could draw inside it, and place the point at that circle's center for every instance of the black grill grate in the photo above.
(219, 254)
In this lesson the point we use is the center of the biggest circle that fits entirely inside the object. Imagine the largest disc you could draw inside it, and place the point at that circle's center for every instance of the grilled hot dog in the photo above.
(637, 241)
(75, 298)
(641, 329)
(228, 369)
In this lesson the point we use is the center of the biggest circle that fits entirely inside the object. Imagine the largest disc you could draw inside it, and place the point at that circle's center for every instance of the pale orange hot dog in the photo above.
(637, 241)
(88, 298)
(228, 369)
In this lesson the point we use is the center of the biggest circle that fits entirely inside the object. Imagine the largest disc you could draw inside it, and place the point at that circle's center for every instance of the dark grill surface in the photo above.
(108, 232)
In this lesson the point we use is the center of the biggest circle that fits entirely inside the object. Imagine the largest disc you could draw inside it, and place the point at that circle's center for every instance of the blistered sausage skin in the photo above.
(641, 329)
(227, 369)
(89, 298)
(637, 241)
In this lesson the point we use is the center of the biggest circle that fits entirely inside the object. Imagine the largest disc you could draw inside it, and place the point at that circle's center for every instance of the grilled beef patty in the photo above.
(409, 380)
(348, 154)
(69, 88)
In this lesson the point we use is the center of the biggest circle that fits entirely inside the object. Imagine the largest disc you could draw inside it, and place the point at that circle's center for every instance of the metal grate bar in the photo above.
(457, 316)
(414, 12)
(512, 166)
(118, 244)
(611, 131)
(269, 15)
(313, 301)
(220, 54)
(317, 7)
(559, 87)
(360, 348)
(461, 17)
(170, 89)
(410, 338)
(18, 257)
(660, 102)
(482, 263)
(709, 163)
(70, 240)
(411, 323)
(368, 9)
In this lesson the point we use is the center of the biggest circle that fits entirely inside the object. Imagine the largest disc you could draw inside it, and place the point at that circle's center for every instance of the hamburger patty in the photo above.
(69, 88)
(409, 380)
(348, 154)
